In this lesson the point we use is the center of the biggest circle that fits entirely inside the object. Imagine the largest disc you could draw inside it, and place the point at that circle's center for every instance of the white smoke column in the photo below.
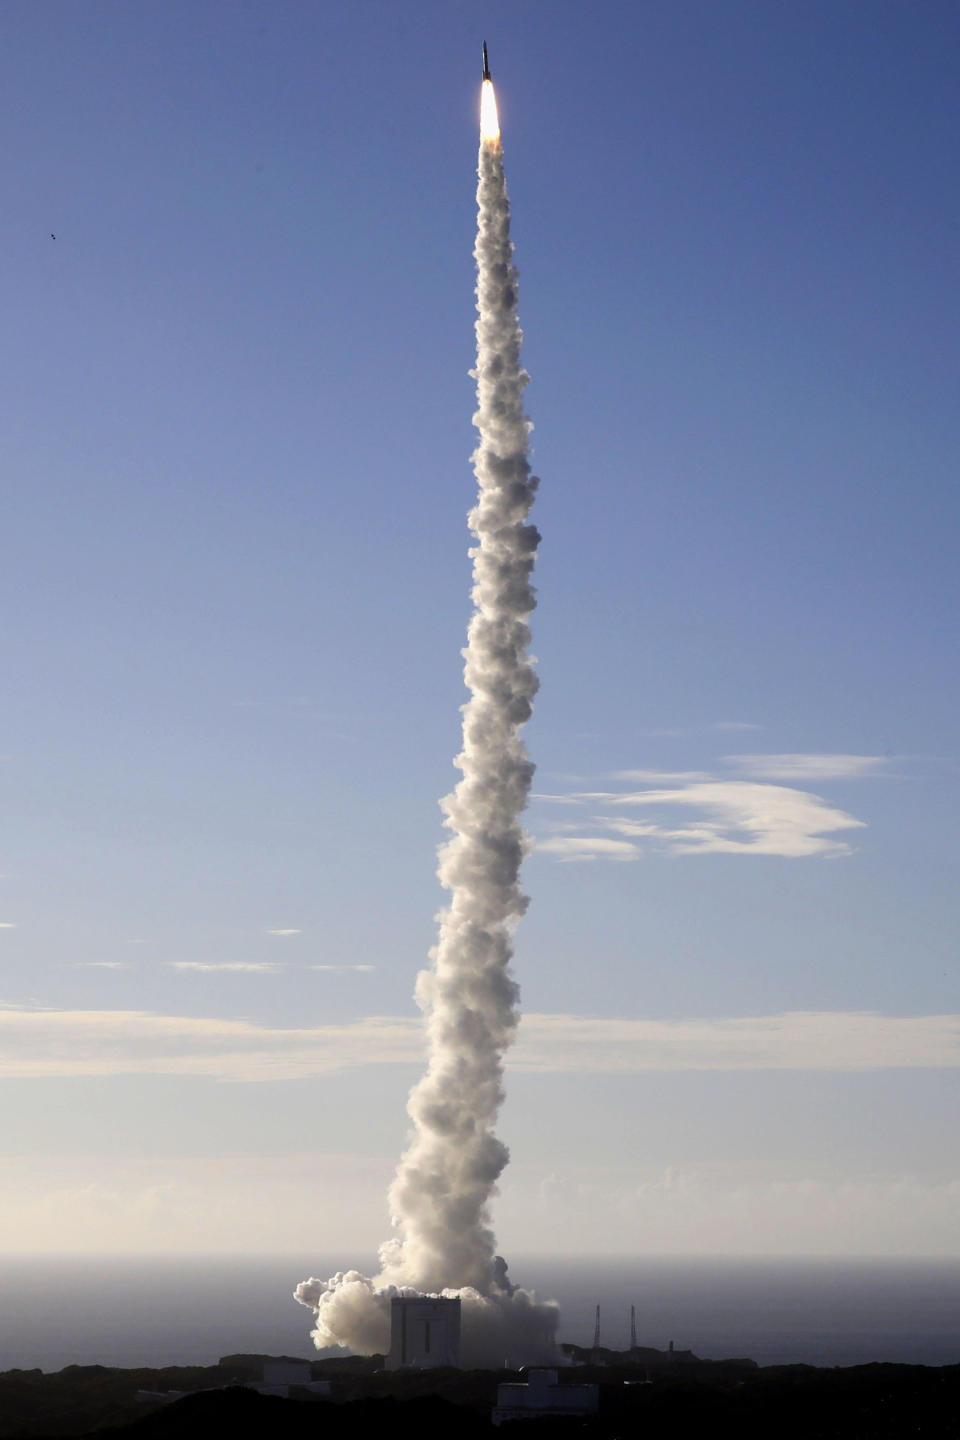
(442, 1192)
(441, 1196)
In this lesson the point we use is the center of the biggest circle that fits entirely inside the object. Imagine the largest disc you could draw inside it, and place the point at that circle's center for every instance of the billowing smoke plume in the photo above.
(441, 1196)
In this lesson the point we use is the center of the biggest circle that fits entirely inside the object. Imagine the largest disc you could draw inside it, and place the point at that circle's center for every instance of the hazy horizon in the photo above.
(774, 1311)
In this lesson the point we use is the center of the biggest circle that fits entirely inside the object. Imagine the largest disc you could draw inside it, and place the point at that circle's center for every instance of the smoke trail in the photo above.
(444, 1183)
(441, 1196)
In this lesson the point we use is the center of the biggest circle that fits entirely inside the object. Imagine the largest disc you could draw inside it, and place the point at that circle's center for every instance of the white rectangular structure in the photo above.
(424, 1332)
(540, 1395)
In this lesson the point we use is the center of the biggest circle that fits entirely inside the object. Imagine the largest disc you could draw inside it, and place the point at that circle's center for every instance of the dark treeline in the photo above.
(688, 1398)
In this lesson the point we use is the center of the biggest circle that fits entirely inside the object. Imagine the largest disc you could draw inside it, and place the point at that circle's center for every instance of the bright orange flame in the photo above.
(489, 121)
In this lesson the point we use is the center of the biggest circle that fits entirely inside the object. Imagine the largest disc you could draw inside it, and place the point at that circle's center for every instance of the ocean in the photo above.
(57, 1311)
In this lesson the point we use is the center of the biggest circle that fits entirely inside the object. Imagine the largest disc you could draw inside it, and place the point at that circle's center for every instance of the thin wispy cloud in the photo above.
(254, 967)
(42, 1043)
(263, 967)
(794, 1040)
(587, 847)
(741, 817)
(808, 767)
(661, 777)
(695, 812)
(103, 965)
(9, 925)
(705, 729)
(283, 932)
(341, 968)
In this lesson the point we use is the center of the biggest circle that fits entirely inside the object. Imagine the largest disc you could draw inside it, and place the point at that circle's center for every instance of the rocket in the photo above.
(486, 63)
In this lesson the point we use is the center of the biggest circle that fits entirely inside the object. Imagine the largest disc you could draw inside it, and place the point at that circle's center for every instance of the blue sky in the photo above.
(236, 410)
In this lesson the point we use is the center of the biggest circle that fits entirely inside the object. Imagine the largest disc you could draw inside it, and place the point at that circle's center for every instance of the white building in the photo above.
(540, 1397)
(424, 1332)
(280, 1375)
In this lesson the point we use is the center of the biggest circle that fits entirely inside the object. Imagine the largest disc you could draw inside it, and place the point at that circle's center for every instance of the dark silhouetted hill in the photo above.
(700, 1399)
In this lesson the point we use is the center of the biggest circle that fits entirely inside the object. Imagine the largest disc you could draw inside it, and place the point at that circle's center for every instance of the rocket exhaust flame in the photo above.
(446, 1180)
(489, 119)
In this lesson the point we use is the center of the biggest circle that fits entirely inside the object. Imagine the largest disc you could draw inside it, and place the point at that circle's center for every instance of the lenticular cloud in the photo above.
(440, 1198)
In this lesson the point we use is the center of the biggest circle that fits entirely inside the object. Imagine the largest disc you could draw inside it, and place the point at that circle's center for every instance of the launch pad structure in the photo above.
(424, 1332)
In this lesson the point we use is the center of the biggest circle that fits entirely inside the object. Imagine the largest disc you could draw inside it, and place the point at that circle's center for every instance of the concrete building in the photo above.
(285, 1378)
(540, 1398)
(424, 1332)
(280, 1376)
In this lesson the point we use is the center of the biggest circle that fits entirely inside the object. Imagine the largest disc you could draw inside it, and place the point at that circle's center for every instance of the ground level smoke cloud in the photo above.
(507, 1326)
